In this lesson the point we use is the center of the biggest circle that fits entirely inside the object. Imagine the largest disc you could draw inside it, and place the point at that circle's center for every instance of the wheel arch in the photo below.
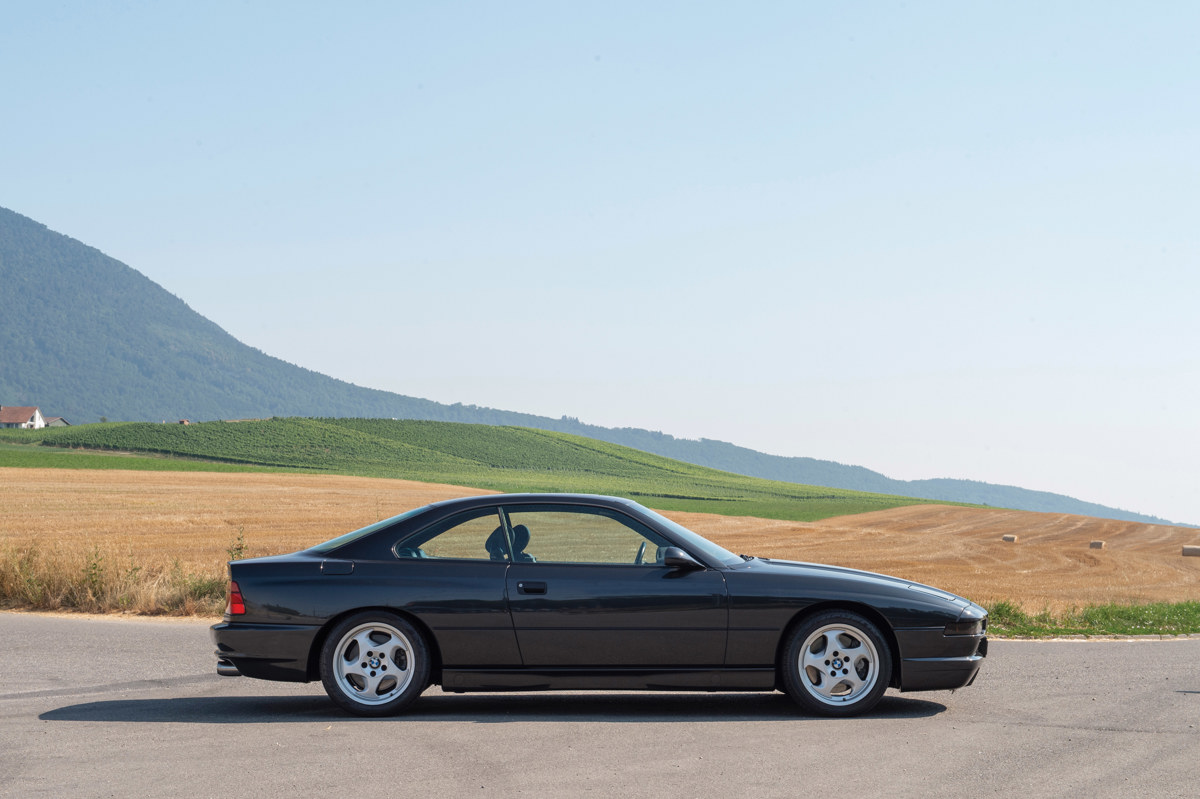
(866, 611)
(313, 667)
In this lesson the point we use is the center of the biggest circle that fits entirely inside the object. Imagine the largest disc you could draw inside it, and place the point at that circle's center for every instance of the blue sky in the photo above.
(933, 239)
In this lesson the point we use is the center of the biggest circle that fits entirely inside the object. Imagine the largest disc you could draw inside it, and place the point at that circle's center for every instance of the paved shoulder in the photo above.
(65, 653)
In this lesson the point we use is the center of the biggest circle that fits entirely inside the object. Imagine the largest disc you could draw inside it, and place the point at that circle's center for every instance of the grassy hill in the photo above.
(500, 458)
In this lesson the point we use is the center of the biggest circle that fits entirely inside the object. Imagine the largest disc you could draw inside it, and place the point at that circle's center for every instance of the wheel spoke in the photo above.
(852, 679)
(363, 682)
(815, 660)
(353, 668)
(841, 640)
(826, 686)
(397, 659)
(373, 679)
(365, 644)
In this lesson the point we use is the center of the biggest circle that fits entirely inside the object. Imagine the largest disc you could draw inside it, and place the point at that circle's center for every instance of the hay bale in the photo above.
(1096, 545)
(1009, 539)
(1191, 552)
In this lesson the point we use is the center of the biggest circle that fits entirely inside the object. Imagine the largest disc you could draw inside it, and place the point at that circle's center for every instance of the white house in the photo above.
(29, 418)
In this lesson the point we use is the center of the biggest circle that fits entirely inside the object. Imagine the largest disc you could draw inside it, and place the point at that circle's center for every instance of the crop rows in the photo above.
(499, 458)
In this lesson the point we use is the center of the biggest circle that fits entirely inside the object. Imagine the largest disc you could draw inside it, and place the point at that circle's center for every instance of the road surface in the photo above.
(95, 707)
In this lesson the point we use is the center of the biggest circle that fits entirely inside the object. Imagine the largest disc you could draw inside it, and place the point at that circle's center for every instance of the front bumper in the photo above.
(933, 661)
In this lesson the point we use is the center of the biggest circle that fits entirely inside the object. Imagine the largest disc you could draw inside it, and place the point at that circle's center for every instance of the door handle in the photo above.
(527, 587)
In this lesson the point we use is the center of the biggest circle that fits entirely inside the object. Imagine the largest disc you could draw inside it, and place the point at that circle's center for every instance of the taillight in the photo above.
(237, 605)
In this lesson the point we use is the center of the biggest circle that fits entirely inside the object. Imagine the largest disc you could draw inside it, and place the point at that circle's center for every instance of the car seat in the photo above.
(520, 541)
(496, 546)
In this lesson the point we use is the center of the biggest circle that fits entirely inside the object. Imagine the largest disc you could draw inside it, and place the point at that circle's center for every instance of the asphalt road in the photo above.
(97, 707)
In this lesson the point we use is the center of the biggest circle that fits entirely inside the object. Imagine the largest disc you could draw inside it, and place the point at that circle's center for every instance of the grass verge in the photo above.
(1007, 620)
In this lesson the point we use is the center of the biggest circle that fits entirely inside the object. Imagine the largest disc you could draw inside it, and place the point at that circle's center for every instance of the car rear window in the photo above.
(354, 535)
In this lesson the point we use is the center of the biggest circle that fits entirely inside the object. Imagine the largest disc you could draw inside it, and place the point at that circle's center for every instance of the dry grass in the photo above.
(155, 542)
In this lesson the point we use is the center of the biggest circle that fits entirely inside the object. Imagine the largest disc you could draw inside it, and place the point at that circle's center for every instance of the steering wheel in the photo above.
(641, 553)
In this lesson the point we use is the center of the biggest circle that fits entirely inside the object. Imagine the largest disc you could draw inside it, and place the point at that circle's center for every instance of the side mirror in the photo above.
(676, 558)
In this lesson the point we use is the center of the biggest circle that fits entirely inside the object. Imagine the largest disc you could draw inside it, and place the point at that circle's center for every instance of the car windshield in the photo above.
(354, 535)
(696, 542)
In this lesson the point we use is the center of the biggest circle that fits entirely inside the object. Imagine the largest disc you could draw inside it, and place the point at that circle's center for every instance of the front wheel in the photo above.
(374, 663)
(837, 664)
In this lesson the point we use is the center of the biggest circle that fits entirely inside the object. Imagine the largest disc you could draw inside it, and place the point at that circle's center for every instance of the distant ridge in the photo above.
(84, 336)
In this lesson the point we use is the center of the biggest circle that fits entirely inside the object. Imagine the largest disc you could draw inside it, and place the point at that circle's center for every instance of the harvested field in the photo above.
(194, 516)
(1050, 566)
(186, 522)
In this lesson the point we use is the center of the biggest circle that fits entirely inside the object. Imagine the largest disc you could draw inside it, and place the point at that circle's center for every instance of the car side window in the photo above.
(474, 536)
(581, 536)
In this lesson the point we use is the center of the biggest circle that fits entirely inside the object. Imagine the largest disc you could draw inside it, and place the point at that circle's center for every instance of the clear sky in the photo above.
(934, 239)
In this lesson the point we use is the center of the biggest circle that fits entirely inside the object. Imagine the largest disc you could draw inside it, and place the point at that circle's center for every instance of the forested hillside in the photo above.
(84, 336)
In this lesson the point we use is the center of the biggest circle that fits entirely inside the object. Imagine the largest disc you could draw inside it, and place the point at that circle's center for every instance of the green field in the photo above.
(34, 457)
(481, 456)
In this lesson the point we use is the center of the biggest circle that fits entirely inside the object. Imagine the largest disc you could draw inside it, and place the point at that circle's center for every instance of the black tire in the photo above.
(837, 663)
(374, 663)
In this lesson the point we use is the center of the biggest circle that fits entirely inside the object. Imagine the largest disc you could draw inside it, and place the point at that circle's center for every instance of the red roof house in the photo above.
(13, 416)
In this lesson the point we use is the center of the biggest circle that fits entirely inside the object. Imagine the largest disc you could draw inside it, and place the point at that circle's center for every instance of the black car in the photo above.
(533, 592)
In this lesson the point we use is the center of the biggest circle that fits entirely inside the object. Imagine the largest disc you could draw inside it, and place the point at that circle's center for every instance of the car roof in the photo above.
(533, 499)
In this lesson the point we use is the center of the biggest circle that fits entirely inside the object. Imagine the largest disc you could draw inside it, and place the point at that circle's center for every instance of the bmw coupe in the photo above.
(533, 592)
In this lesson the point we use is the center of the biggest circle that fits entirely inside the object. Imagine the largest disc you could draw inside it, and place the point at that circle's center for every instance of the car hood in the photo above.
(879, 581)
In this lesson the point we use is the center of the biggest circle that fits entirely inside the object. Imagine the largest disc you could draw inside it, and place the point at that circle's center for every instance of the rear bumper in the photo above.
(264, 651)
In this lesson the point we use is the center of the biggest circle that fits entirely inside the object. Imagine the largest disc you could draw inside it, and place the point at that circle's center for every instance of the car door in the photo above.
(450, 575)
(586, 590)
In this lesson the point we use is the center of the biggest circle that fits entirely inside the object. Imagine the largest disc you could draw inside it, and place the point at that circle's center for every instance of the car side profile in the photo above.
(534, 592)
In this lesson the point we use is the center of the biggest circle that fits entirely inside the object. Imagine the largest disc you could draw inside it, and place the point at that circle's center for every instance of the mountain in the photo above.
(810, 471)
(86, 337)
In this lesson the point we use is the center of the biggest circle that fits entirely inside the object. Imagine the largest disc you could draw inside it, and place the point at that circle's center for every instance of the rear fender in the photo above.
(314, 654)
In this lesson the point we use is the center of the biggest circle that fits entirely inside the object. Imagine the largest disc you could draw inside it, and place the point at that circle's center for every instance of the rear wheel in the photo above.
(837, 664)
(374, 663)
